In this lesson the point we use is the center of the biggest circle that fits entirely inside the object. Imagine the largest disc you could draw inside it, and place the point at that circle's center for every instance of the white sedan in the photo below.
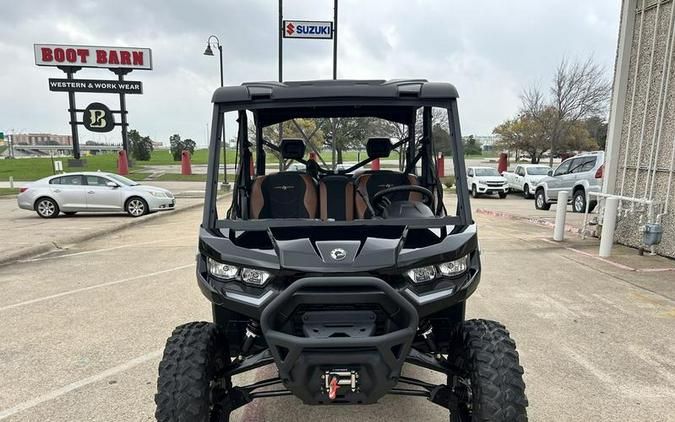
(70, 193)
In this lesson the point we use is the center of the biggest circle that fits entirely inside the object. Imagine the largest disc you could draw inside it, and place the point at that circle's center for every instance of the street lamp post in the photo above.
(209, 52)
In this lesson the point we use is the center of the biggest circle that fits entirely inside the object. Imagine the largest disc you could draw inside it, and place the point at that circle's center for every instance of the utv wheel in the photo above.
(526, 192)
(136, 207)
(474, 192)
(47, 208)
(195, 358)
(579, 201)
(540, 201)
(487, 357)
(502, 195)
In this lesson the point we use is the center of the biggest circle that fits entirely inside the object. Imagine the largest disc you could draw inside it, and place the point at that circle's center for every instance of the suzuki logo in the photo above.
(338, 254)
(290, 28)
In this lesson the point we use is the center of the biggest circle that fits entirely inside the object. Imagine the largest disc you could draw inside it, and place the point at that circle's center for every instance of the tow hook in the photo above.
(337, 378)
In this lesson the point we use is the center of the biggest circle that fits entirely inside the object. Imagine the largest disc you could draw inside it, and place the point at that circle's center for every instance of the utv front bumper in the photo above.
(352, 332)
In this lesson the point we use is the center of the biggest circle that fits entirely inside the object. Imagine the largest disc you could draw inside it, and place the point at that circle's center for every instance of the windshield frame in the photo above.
(211, 218)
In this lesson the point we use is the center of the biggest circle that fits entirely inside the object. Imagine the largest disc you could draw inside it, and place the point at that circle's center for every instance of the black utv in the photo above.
(339, 273)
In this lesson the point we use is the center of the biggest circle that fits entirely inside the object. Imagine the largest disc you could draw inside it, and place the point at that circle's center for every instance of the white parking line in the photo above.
(84, 289)
(129, 245)
(54, 394)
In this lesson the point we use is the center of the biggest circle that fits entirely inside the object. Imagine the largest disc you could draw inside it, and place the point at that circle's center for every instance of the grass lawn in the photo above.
(8, 191)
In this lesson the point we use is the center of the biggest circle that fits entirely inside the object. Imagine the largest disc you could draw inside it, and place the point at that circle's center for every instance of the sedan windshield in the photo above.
(486, 172)
(122, 180)
(538, 171)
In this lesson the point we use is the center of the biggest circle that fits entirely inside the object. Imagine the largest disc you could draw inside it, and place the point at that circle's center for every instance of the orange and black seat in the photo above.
(287, 194)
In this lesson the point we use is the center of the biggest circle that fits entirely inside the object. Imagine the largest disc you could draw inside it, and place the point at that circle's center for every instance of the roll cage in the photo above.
(271, 103)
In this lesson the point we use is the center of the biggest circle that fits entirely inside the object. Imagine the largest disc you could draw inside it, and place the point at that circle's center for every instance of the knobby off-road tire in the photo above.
(194, 356)
(487, 356)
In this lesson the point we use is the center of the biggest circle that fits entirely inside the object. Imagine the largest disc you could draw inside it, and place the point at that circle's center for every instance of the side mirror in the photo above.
(112, 185)
(550, 172)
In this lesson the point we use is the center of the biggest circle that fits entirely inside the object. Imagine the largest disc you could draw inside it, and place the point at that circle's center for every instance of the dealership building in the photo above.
(641, 138)
(40, 139)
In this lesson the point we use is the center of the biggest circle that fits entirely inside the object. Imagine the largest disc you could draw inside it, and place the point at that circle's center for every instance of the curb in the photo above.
(531, 220)
(36, 250)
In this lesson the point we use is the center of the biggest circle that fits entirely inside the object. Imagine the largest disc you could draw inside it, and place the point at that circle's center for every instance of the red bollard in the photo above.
(503, 164)
(122, 163)
(185, 164)
(440, 165)
(375, 164)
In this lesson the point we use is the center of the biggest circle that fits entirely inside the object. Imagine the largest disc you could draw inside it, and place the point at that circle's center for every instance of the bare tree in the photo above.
(579, 90)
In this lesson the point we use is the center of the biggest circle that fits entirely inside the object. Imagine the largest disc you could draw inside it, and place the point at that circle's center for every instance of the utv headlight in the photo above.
(455, 267)
(422, 274)
(220, 270)
(254, 277)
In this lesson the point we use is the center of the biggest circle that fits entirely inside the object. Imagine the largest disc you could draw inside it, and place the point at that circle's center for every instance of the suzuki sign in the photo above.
(308, 29)
(89, 56)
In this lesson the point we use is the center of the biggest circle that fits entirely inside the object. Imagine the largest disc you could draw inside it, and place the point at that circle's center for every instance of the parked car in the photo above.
(70, 193)
(525, 177)
(486, 180)
(578, 176)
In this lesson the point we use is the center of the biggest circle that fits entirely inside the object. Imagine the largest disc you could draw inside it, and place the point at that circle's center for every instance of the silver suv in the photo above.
(578, 176)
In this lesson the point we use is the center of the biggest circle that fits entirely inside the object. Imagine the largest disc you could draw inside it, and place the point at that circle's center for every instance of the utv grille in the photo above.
(381, 318)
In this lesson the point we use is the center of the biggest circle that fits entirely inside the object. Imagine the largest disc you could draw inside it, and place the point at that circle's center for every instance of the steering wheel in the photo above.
(380, 196)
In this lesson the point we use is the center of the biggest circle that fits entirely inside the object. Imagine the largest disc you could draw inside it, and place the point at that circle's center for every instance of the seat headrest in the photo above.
(292, 149)
(378, 147)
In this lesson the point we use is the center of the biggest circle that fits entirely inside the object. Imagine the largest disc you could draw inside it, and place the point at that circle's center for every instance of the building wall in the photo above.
(40, 139)
(641, 138)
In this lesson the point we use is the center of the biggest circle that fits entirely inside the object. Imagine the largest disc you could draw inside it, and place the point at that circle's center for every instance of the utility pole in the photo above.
(281, 71)
(335, 24)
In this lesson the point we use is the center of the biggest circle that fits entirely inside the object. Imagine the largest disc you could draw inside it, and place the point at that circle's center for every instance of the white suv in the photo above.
(578, 176)
(486, 180)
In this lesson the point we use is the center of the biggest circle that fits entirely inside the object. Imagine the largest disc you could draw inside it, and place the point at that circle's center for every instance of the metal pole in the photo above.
(608, 226)
(560, 214)
(73, 119)
(123, 109)
(335, 23)
(281, 70)
(226, 184)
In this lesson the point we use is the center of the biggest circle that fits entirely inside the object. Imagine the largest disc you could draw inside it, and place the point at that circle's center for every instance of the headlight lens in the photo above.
(446, 269)
(220, 270)
(159, 194)
(422, 274)
(254, 277)
(455, 267)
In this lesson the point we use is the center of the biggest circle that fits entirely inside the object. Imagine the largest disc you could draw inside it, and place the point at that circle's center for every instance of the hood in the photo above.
(341, 249)
(146, 188)
(537, 179)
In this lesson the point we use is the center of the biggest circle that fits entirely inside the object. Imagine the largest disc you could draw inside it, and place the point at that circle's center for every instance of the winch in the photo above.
(336, 378)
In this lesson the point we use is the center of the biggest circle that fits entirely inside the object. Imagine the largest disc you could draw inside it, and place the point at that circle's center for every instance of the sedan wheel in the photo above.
(137, 207)
(47, 208)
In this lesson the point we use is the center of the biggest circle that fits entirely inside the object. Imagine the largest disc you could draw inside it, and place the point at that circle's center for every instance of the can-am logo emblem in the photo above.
(290, 28)
(387, 186)
(284, 187)
(338, 254)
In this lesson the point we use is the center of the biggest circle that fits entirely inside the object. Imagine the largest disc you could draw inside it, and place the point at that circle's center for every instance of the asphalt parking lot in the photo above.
(83, 327)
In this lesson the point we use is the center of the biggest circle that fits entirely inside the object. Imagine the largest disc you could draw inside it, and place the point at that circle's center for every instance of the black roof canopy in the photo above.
(277, 101)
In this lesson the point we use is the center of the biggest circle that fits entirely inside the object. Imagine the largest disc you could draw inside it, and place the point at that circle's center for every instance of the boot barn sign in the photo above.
(88, 56)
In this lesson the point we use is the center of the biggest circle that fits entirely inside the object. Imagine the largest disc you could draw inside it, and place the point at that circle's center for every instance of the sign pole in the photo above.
(70, 70)
(335, 25)
(123, 109)
(281, 70)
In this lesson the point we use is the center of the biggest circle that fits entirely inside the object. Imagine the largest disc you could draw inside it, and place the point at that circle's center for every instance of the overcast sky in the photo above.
(490, 50)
